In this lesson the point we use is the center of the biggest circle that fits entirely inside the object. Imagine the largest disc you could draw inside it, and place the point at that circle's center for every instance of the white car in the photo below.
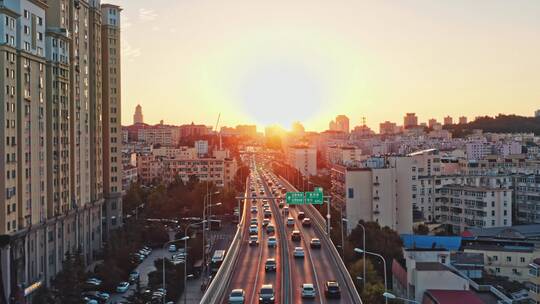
(253, 240)
(122, 287)
(290, 222)
(253, 209)
(237, 296)
(308, 291)
(172, 248)
(253, 229)
(298, 252)
(272, 242)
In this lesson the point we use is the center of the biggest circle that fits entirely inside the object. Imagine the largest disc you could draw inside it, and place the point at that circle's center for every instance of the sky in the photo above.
(281, 61)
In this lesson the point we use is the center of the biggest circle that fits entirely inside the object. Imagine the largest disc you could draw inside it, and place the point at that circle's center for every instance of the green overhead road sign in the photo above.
(311, 198)
(294, 198)
(314, 198)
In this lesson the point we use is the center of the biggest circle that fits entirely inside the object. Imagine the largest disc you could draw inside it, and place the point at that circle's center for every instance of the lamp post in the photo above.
(389, 295)
(363, 250)
(163, 264)
(204, 228)
(358, 250)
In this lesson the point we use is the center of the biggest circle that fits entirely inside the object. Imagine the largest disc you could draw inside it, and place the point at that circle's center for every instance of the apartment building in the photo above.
(164, 135)
(50, 55)
(112, 141)
(380, 191)
(344, 155)
(303, 158)
(178, 153)
(533, 280)
(527, 197)
(426, 168)
(149, 168)
(463, 206)
(218, 171)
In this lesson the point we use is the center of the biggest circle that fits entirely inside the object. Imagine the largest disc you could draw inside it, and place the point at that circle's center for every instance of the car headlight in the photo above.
(260, 298)
(272, 299)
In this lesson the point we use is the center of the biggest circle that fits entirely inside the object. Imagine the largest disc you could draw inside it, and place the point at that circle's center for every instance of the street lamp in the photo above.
(358, 250)
(363, 249)
(205, 206)
(163, 263)
(186, 238)
(391, 296)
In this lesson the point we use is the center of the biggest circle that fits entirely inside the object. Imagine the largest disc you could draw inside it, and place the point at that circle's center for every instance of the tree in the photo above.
(373, 293)
(356, 269)
(68, 283)
(383, 241)
(133, 198)
(421, 229)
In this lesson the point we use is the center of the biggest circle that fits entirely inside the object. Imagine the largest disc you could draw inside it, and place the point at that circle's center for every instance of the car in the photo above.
(301, 215)
(87, 300)
(308, 291)
(133, 276)
(254, 221)
(290, 222)
(254, 209)
(267, 213)
(172, 248)
(306, 222)
(270, 265)
(285, 210)
(253, 240)
(93, 281)
(331, 289)
(266, 294)
(266, 205)
(266, 222)
(315, 243)
(296, 236)
(237, 296)
(272, 242)
(281, 205)
(298, 252)
(122, 287)
(270, 229)
(253, 229)
(103, 296)
(97, 295)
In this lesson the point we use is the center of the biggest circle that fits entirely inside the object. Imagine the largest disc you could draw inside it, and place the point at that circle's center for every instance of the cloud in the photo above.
(147, 14)
(129, 52)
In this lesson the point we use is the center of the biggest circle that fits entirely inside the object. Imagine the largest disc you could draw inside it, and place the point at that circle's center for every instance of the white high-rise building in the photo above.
(303, 158)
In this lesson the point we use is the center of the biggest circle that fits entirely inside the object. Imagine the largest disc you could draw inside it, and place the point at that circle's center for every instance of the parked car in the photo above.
(133, 276)
(122, 287)
(237, 296)
(93, 281)
(172, 248)
(308, 291)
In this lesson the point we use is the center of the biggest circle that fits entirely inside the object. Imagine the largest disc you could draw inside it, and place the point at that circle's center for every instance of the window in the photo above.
(509, 259)
(351, 193)
(522, 259)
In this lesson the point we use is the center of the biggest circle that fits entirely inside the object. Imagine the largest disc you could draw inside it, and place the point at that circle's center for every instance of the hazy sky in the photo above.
(278, 61)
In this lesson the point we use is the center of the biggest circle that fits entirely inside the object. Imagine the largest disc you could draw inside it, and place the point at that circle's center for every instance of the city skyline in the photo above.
(337, 60)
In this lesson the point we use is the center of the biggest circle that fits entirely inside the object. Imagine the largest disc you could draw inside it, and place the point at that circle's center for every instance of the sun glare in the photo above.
(281, 93)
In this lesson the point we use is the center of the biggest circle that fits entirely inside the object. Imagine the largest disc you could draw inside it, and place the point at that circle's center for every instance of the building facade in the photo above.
(51, 58)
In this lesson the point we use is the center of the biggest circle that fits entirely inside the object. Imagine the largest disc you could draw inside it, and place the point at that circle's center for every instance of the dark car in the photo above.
(306, 222)
(331, 289)
(301, 215)
(315, 243)
(270, 265)
(266, 294)
(296, 236)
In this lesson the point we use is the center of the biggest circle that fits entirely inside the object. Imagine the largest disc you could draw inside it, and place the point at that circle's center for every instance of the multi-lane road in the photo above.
(317, 267)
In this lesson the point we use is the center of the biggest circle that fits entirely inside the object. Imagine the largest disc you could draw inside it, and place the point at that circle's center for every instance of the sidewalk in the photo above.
(193, 292)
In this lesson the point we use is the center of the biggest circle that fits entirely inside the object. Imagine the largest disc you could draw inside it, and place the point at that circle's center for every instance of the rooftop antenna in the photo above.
(364, 121)
(216, 128)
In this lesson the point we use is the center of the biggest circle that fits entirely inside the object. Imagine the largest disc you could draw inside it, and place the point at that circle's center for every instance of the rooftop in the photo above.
(431, 266)
(453, 296)
(429, 242)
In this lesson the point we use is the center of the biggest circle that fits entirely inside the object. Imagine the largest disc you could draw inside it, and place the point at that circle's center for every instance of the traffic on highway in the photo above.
(282, 258)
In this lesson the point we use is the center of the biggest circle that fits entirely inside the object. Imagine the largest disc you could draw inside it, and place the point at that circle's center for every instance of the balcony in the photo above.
(376, 184)
(376, 198)
(376, 211)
